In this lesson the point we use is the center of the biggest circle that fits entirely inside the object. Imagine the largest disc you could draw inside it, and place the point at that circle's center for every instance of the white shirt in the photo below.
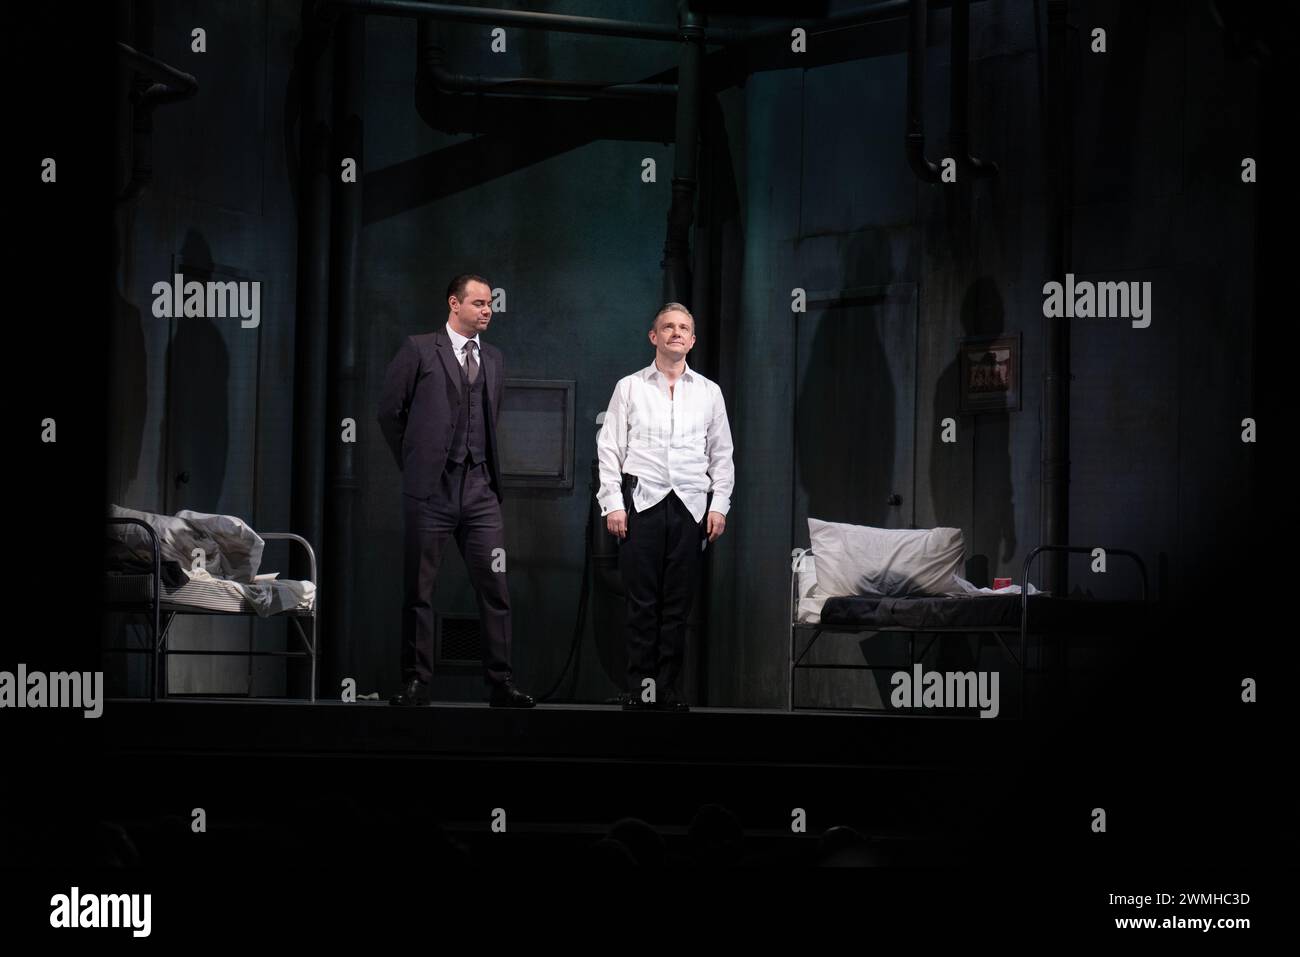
(679, 443)
(458, 346)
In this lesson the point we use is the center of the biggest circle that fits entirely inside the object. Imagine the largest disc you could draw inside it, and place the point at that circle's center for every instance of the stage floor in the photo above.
(579, 732)
(560, 773)
(287, 781)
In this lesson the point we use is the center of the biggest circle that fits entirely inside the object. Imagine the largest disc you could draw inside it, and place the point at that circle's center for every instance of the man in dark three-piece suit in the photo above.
(438, 412)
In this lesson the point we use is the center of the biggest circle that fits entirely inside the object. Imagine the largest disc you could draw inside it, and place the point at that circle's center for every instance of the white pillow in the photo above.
(889, 562)
(805, 569)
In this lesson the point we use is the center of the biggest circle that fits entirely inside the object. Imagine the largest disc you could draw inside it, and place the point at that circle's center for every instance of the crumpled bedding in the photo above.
(221, 549)
(810, 597)
(268, 596)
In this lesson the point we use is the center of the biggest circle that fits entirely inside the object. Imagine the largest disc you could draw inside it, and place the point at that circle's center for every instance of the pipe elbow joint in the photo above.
(925, 171)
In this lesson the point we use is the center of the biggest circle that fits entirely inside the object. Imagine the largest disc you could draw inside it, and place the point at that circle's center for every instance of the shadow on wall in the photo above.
(846, 440)
(845, 411)
(128, 386)
(197, 425)
(986, 491)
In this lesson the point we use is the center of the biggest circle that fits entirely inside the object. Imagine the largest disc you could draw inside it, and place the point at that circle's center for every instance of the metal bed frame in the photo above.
(162, 613)
(796, 661)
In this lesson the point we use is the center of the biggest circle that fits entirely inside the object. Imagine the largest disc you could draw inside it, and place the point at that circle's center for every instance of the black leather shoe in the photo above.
(672, 702)
(416, 693)
(508, 696)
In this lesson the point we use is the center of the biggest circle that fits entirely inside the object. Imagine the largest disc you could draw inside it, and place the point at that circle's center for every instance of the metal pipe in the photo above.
(311, 334)
(600, 26)
(444, 81)
(524, 86)
(1055, 474)
(960, 99)
(447, 82)
(178, 85)
(914, 140)
(603, 26)
(345, 294)
(677, 242)
(171, 86)
(891, 10)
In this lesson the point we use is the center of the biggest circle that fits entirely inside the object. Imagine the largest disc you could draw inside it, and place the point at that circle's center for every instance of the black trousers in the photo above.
(466, 508)
(659, 561)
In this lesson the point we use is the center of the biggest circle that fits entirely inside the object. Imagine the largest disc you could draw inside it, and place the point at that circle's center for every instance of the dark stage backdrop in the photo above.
(837, 410)
(804, 184)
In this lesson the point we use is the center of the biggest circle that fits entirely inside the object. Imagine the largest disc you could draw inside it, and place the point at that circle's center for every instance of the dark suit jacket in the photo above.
(421, 401)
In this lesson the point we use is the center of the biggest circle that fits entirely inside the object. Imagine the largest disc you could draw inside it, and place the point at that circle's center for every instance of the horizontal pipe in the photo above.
(182, 83)
(520, 86)
(603, 26)
(876, 13)
(170, 86)
(447, 82)
(890, 10)
(430, 70)
(510, 18)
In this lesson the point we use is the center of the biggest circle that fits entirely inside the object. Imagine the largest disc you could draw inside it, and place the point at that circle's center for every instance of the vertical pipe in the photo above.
(960, 100)
(310, 331)
(678, 285)
(677, 245)
(342, 401)
(959, 66)
(914, 139)
(141, 38)
(1056, 351)
(706, 356)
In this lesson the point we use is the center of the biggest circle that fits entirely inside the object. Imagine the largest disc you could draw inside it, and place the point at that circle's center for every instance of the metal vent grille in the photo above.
(459, 642)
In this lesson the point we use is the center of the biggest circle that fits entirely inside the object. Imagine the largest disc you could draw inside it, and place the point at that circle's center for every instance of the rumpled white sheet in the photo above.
(803, 562)
(810, 598)
(232, 553)
(230, 548)
(969, 588)
(270, 596)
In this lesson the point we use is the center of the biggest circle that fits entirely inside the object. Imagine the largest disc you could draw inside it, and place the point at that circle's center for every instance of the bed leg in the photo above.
(249, 675)
(1065, 672)
(1024, 664)
(312, 690)
(789, 674)
(911, 660)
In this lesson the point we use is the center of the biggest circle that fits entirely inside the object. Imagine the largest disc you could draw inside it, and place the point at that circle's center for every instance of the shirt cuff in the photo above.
(720, 504)
(610, 502)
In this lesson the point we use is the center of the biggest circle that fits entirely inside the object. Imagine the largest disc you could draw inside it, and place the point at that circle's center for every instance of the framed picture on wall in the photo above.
(535, 434)
(990, 373)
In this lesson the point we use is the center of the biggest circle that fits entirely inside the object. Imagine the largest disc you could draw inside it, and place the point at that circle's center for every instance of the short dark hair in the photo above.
(457, 286)
(672, 307)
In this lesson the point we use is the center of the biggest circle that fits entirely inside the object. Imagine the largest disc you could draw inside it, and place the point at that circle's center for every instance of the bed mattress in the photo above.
(982, 611)
(212, 595)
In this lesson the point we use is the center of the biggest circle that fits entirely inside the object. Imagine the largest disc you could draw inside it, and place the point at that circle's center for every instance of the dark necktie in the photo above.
(471, 363)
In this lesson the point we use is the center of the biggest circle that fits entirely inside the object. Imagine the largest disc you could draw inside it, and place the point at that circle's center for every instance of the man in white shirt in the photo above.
(666, 478)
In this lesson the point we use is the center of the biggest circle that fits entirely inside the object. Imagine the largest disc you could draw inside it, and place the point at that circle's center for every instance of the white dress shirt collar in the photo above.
(653, 370)
(458, 341)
